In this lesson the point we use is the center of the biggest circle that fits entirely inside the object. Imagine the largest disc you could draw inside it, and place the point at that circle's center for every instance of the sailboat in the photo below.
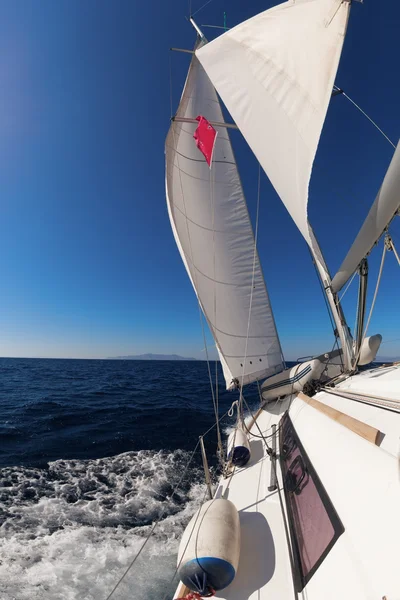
(308, 502)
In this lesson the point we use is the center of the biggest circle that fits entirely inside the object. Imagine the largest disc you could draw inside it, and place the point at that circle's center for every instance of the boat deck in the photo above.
(361, 480)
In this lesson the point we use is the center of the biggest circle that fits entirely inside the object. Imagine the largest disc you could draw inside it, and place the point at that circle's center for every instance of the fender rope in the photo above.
(197, 596)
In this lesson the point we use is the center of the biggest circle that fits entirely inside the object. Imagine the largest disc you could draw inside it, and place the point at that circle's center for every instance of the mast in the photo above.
(346, 340)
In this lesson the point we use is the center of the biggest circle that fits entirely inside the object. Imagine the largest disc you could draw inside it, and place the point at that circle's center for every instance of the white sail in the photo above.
(275, 73)
(213, 232)
(386, 204)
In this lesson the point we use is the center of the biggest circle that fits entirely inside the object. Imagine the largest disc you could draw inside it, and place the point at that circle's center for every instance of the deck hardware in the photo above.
(272, 481)
(206, 469)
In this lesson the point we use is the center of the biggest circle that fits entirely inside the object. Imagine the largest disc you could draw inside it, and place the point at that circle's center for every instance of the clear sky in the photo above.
(88, 264)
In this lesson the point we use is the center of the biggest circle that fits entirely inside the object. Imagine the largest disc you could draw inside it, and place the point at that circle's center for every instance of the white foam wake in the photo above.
(70, 531)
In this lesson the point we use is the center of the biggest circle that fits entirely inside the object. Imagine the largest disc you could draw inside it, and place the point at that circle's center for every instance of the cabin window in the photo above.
(314, 523)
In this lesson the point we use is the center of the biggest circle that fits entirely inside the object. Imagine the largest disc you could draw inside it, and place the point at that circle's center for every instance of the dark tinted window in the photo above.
(314, 523)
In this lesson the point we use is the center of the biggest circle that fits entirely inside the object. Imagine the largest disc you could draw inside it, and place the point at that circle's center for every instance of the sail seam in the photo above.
(240, 356)
(202, 178)
(224, 162)
(201, 227)
(236, 285)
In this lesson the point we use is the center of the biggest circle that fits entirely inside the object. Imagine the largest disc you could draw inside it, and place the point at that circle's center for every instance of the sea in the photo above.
(91, 452)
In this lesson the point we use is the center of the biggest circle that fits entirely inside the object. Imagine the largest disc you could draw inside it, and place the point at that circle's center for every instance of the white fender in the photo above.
(238, 449)
(208, 555)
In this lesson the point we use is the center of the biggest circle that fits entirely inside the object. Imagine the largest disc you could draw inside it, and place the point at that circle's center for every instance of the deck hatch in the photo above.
(314, 523)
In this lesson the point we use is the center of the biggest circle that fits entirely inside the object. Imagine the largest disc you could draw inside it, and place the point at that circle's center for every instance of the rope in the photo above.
(232, 408)
(196, 596)
(239, 403)
(292, 394)
(365, 115)
(212, 426)
(373, 300)
(220, 446)
(215, 396)
(252, 287)
(153, 527)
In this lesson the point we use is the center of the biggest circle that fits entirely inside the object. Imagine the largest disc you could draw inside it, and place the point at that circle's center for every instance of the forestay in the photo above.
(384, 208)
(213, 232)
(275, 73)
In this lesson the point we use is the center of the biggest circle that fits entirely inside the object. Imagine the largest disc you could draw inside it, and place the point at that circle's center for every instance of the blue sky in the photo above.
(88, 265)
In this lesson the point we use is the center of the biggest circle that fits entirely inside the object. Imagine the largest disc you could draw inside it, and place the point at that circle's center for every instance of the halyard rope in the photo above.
(251, 290)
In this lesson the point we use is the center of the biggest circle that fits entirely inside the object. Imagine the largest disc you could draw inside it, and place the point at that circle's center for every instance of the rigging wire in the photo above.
(365, 115)
(390, 341)
(201, 8)
(251, 290)
(215, 395)
(163, 513)
(154, 526)
(219, 440)
(239, 404)
(347, 287)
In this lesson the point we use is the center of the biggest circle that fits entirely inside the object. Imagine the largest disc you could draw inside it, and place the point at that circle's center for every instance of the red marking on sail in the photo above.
(205, 136)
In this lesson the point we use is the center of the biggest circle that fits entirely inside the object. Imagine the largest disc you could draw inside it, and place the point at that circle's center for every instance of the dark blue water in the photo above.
(90, 453)
(51, 409)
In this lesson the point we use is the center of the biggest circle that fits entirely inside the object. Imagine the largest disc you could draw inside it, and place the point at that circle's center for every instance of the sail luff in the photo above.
(384, 208)
(211, 225)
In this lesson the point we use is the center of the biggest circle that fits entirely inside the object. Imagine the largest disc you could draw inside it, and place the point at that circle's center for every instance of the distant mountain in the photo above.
(152, 357)
(383, 358)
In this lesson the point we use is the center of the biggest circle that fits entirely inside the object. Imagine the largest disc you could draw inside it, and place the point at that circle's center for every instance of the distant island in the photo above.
(151, 357)
(387, 359)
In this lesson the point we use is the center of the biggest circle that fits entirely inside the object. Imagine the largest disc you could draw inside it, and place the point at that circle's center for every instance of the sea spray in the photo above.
(69, 532)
